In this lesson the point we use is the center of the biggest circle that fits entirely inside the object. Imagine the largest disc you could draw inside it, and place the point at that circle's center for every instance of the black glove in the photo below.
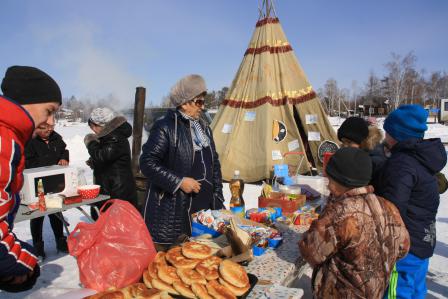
(25, 286)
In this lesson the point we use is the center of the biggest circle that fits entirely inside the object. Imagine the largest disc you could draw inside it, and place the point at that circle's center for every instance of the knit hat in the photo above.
(30, 85)
(355, 129)
(186, 89)
(101, 116)
(406, 122)
(350, 167)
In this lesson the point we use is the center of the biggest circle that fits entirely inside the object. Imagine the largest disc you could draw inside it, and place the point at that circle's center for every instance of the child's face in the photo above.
(335, 188)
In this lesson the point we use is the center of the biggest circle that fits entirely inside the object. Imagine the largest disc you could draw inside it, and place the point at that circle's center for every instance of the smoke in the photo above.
(89, 69)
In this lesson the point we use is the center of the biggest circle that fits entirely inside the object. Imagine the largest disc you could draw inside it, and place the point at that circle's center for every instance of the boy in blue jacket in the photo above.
(408, 180)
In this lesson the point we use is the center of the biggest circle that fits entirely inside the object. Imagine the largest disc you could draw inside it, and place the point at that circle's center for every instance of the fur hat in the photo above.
(355, 129)
(406, 122)
(350, 167)
(186, 89)
(30, 85)
(101, 116)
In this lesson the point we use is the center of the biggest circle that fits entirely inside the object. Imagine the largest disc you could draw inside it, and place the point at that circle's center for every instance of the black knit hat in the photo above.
(350, 167)
(355, 129)
(29, 85)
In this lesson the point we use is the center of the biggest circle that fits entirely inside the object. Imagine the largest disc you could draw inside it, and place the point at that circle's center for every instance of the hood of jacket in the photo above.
(117, 126)
(429, 152)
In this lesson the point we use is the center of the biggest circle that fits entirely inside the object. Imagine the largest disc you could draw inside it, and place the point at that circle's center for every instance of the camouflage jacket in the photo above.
(354, 245)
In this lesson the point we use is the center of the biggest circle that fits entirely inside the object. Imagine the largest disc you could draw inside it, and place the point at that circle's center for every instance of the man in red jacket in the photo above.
(30, 99)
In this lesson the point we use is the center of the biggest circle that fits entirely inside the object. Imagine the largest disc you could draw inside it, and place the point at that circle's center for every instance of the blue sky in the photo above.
(96, 48)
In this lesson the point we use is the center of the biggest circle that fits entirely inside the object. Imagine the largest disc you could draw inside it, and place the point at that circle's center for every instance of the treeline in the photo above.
(401, 84)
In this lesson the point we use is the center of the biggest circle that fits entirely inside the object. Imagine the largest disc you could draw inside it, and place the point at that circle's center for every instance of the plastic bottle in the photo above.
(237, 205)
(41, 196)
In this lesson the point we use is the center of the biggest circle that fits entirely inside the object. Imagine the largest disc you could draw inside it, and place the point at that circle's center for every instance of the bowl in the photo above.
(89, 191)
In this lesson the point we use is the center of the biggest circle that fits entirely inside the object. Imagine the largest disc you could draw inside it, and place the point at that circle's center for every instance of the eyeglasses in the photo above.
(46, 127)
(199, 102)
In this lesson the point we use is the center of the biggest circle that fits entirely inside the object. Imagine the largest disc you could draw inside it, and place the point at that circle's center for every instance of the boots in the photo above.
(39, 248)
(61, 245)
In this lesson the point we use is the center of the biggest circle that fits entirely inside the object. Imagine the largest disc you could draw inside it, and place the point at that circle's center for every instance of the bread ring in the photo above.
(190, 276)
(233, 273)
(218, 291)
(200, 291)
(183, 289)
(176, 258)
(167, 274)
(160, 285)
(209, 267)
(194, 250)
(235, 290)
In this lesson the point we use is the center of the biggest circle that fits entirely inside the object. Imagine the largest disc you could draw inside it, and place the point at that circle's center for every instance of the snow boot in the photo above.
(39, 249)
(61, 245)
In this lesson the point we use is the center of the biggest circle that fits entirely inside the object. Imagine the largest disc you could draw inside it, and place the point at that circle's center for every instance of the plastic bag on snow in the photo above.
(115, 250)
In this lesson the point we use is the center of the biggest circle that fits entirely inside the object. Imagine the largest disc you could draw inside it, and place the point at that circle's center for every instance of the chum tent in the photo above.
(270, 109)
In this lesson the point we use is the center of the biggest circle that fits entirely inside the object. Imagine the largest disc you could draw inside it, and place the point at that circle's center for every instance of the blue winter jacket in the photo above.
(408, 180)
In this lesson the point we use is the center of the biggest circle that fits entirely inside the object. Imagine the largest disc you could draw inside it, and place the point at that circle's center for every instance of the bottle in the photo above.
(41, 196)
(237, 205)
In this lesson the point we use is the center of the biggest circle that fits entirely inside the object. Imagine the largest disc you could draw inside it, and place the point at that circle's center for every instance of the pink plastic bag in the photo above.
(115, 250)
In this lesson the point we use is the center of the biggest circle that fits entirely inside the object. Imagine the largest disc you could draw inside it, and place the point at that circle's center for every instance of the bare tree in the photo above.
(331, 94)
(399, 69)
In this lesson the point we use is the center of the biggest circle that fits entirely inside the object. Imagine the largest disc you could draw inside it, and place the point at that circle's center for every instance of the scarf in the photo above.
(200, 139)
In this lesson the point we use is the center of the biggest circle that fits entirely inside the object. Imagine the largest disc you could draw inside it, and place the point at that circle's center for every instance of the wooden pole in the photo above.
(139, 113)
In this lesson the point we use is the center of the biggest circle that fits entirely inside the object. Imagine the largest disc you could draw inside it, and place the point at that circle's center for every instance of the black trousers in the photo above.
(37, 224)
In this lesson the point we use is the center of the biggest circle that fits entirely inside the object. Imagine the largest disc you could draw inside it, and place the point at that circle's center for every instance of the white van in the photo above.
(443, 117)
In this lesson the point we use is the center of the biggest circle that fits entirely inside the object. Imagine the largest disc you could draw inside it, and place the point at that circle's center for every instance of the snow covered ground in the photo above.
(59, 272)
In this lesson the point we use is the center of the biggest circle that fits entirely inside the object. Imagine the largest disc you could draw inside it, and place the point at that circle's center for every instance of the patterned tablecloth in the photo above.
(277, 269)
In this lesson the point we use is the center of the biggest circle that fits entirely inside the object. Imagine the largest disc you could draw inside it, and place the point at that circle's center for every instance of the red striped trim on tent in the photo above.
(267, 21)
(274, 102)
(273, 50)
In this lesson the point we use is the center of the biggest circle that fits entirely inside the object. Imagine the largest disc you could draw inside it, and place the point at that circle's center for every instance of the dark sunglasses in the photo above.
(199, 102)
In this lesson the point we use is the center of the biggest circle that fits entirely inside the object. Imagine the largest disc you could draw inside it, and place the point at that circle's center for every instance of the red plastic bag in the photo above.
(115, 250)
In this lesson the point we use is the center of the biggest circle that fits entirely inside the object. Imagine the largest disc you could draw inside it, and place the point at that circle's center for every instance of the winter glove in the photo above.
(89, 138)
(442, 182)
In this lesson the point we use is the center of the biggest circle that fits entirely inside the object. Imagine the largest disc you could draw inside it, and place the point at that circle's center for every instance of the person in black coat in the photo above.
(408, 180)
(181, 164)
(46, 149)
(110, 156)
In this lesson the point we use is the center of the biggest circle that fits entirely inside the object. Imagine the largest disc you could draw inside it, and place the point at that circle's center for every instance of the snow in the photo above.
(59, 272)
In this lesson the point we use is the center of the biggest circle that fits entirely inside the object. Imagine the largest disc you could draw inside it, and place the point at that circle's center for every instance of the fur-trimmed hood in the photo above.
(374, 138)
(118, 125)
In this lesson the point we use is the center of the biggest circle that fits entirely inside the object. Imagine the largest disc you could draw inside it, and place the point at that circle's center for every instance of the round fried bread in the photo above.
(183, 289)
(176, 258)
(233, 273)
(147, 279)
(160, 285)
(200, 291)
(108, 295)
(209, 267)
(152, 270)
(235, 290)
(190, 276)
(194, 250)
(160, 259)
(167, 274)
(138, 290)
(219, 291)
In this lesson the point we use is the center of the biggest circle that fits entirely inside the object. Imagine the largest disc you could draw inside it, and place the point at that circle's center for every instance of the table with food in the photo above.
(236, 253)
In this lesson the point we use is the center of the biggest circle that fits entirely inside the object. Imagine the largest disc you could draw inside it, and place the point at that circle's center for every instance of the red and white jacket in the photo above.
(16, 128)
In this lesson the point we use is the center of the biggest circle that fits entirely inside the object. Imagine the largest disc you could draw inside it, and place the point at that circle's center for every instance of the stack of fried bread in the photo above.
(134, 291)
(192, 271)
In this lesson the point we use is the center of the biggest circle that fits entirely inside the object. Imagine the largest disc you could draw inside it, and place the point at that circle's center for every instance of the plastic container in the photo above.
(274, 243)
(288, 206)
(257, 251)
(89, 191)
(198, 229)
